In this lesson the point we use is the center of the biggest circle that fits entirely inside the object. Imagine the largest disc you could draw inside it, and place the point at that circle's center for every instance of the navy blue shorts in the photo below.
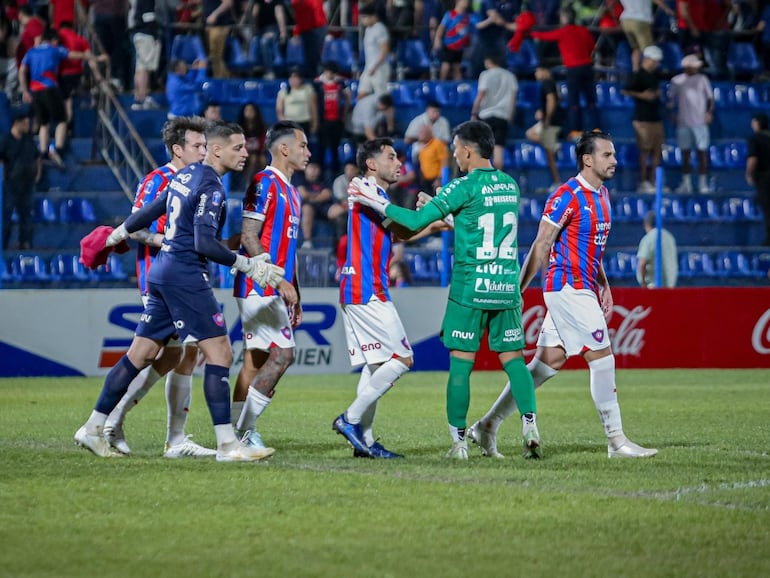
(191, 311)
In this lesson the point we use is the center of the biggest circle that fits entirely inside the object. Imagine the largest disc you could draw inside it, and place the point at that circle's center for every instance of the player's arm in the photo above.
(250, 229)
(547, 233)
(139, 220)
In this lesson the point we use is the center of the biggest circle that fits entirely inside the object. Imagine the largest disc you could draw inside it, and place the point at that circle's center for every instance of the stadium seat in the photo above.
(623, 57)
(530, 209)
(735, 155)
(530, 156)
(566, 158)
(760, 265)
(423, 265)
(525, 60)
(112, 271)
(737, 209)
(236, 59)
(339, 51)
(695, 264)
(346, 153)
(29, 268)
(631, 208)
(403, 94)
(76, 210)
(616, 98)
(187, 47)
(529, 95)
(732, 264)
(412, 58)
(217, 90)
(5, 274)
(45, 211)
(67, 267)
(294, 55)
(717, 157)
(742, 59)
(672, 58)
(626, 264)
(699, 209)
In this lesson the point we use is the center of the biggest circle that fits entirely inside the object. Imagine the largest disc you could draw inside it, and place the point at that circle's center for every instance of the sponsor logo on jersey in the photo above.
(184, 178)
(349, 270)
(371, 346)
(511, 335)
(179, 188)
(457, 334)
(484, 285)
(202, 205)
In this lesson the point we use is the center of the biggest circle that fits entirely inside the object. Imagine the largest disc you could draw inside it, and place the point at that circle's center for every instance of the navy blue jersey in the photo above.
(196, 200)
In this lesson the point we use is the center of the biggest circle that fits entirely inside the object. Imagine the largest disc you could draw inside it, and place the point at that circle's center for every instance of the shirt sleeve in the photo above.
(559, 208)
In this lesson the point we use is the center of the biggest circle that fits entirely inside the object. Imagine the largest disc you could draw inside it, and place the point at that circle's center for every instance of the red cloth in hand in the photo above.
(93, 251)
(524, 23)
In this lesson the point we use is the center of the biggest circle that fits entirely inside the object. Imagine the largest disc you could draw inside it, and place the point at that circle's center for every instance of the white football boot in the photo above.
(629, 449)
(187, 449)
(96, 443)
(116, 437)
(485, 439)
(459, 451)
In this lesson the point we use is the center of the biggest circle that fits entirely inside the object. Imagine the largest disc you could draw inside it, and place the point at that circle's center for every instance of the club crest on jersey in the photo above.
(555, 204)
(216, 198)
(286, 332)
(598, 335)
(184, 178)
(219, 319)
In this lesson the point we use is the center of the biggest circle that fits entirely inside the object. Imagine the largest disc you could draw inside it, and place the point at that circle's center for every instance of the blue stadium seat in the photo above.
(68, 268)
(339, 51)
(44, 211)
(735, 155)
(530, 209)
(403, 94)
(671, 156)
(76, 210)
(234, 215)
(294, 55)
(566, 158)
(760, 265)
(530, 156)
(672, 58)
(529, 95)
(187, 47)
(423, 265)
(695, 264)
(412, 57)
(732, 264)
(525, 60)
(742, 59)
(236, 59)
(623, 57)
(717, 158)
(112, 271)
(5, 274)
(740, 209)
(631, 208)
(29, 268)
(626, 264)
(673, 209)
(699, 209)
(346, 153)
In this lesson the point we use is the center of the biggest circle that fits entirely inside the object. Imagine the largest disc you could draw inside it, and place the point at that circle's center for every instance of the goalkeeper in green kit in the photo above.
(484, 291)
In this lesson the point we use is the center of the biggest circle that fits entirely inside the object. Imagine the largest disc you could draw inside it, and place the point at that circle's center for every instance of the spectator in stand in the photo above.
(145, 36)
(270, 25)
(38, 77)
(399, 273)
(338, 211)
(220, 16)
(405, 190)
(693, 97)
(645, 272)
(431, 117)
(376, 75)
(404, 17)
(636, 21)
(495, 26)
(310, 26)
(643, 87)
(495, 102)
(576, 45)
(433, 158)
(60, 11)
(758, 167)
(213, 111)
(31, 27)
(184, 88)
(317, 200)
(763, 29)
(373, 117)
(691, 25)
(550, 120)
(21, 169)
(110, 20)
(335, 109)
(255, 131)
(453, 36)
(71, 69)
(298, 103)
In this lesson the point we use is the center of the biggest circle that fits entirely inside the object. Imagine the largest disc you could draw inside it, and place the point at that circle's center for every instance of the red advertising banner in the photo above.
(704, 327)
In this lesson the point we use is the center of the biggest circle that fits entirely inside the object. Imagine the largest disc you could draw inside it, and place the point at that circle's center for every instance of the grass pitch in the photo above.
(699, 508)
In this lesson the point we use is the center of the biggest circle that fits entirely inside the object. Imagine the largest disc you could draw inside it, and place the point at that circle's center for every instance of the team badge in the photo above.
(598, 335)
(286, 332)
(405, 343)
(219, 319)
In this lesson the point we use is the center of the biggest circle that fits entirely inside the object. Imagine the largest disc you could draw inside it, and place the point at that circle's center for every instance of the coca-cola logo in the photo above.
(760, 336)
(627, 338)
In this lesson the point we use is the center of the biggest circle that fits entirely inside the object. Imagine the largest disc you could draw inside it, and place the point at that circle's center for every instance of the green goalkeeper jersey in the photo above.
(485, 206)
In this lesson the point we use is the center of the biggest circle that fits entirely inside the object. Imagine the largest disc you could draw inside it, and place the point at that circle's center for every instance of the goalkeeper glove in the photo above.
(260, 270)
(119, 234)
(365, 192)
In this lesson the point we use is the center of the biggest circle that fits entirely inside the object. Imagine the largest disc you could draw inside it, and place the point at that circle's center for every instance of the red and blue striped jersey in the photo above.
(585, 218)
(272, 199)
(43, 63)
(367, 263)
(148, 190)
(458, 29)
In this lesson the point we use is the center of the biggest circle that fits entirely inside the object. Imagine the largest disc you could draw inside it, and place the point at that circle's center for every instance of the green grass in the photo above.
(699, 508)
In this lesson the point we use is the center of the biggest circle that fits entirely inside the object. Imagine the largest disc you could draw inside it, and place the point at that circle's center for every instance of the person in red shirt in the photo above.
(31, 27)
(71, 69)
(310, 25)
(576, 45)
(335, 106)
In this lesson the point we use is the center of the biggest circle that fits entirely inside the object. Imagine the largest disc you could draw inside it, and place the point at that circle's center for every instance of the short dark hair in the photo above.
(761, 119)
(569, 13)
(586, 145)
(175, 129)
(49, 35)
(478, 134)
(432, 104)
(385, 99)
(279, 130)
(221, 129)
(649, 219)
(369, 150)
(368, 9)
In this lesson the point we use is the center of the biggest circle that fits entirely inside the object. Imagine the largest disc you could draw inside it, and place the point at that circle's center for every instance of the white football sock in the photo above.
(95, 423)
(225, 434)
(457, 435)
(605, 394)
(380, 381)
(235, 412)
(137, 389)
(367, 418)
(253, 407)
(178, 397)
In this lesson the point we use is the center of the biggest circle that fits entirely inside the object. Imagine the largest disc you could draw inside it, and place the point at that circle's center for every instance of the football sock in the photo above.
(457, 433)
(253, 407)
(522, 386)
(377, 385)
(115, 385)
(178, 397)
(367, 418)
(216, 387)
(604, 394)
(95, 423)
(137, 389)
(225, 434)
(237, 408)
(458, 392)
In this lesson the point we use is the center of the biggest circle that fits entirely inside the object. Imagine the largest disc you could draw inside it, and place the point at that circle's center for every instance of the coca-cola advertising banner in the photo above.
(707, 327)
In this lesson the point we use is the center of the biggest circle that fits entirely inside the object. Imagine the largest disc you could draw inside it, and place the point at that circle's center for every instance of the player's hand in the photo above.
(365, 192)
(119, 234)
(295, 315)
(423, 199)
(606, 302)
(288, 293)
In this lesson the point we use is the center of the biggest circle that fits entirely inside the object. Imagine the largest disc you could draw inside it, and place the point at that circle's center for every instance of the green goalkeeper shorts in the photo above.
(463, 327)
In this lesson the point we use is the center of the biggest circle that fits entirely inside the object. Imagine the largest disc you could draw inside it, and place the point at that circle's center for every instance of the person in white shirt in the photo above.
(645, 269)
(431, 117)
(636, 22)
(376, 74)
(495, 102)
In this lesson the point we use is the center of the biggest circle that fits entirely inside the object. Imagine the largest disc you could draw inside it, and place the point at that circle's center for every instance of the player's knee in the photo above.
(284, 358)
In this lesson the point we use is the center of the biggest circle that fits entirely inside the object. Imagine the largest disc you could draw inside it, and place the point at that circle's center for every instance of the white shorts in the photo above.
(174, 341)
(698, 137)
(574, 321)
(374, 333)
(265, 322)
(147, 50)
(376, 83)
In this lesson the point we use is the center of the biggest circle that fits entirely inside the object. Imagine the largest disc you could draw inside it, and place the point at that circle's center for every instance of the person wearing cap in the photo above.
(21, 169)
(758, 166)
(636, 22)
(692, 96)
(643, 87)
